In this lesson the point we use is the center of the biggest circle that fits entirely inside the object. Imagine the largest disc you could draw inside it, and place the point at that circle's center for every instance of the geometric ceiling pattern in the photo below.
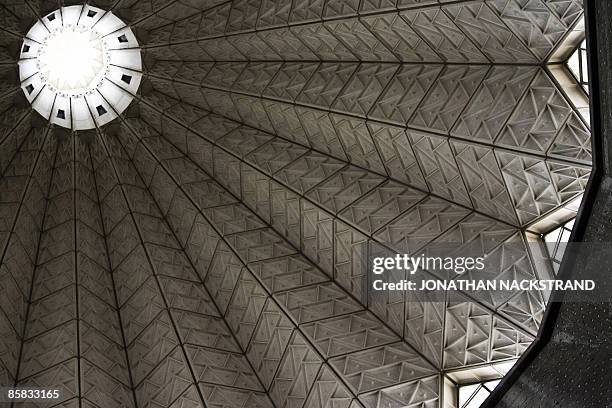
(209, 247)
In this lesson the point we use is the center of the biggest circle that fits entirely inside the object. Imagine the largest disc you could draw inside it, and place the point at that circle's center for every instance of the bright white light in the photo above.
(80, 67)
(73, 60)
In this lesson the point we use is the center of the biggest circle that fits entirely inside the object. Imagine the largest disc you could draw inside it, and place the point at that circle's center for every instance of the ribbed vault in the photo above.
(208, 247)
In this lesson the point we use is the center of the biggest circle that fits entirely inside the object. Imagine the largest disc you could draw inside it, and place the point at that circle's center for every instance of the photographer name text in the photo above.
(484, 285)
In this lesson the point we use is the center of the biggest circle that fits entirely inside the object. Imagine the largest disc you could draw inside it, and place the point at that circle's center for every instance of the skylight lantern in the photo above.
(73, 66)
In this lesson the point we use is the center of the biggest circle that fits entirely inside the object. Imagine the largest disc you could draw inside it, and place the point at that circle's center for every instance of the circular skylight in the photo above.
(80, 67)
(75, 69)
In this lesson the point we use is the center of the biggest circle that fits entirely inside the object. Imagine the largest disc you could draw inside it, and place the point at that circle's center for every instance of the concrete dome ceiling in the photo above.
(207, 247)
